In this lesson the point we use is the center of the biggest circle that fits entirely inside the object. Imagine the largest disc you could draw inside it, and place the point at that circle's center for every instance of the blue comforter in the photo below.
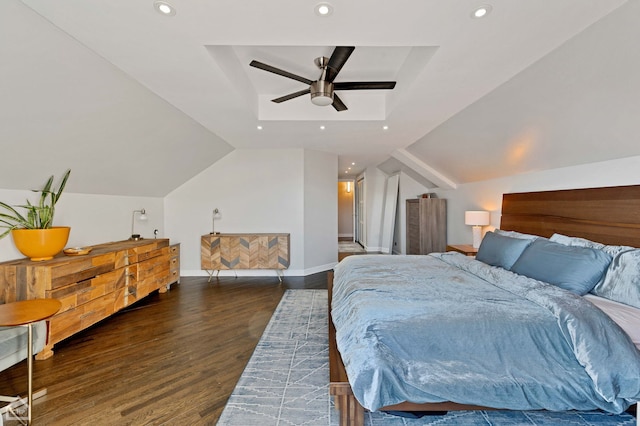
(445, 327)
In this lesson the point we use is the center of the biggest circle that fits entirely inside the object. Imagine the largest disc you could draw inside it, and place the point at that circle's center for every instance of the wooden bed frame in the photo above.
(608, 215)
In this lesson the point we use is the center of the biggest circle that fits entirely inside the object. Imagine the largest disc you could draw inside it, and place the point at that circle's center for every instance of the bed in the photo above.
(527, 344)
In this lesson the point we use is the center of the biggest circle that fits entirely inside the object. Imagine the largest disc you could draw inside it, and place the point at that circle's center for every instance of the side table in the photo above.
(25, 313)
(466, 249)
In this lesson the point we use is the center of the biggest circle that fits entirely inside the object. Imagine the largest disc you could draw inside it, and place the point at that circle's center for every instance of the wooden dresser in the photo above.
(174, 268)
(244, 251)
(426, 225)
(90, 287)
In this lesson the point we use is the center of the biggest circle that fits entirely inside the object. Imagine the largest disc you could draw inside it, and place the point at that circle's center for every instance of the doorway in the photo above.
(346, 224)
(359, 213)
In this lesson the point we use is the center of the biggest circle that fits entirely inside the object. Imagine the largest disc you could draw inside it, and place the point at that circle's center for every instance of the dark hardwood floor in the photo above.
(170, 359)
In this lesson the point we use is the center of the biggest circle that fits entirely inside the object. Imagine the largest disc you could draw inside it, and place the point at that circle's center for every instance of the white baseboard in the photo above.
(259, 272)
(376, 249)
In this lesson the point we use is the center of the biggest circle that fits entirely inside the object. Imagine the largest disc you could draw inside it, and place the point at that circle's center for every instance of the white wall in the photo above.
(93, 219)
(375, 184)
(286, 190)
(320, 211)
(282, 190)
(487, 195)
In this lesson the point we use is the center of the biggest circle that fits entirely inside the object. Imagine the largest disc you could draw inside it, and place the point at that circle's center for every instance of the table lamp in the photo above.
(477, 219)
(143, 216)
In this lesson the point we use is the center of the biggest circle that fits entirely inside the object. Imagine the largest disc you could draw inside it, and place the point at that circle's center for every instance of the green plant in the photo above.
(37, 216)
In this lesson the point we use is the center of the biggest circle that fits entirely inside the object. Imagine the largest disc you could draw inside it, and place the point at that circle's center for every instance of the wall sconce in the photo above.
(348, 187)
(143, 216)
(216, 212)
(477, 219)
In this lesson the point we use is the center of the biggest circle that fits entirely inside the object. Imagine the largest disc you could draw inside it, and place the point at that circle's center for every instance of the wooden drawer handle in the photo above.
(88, 314)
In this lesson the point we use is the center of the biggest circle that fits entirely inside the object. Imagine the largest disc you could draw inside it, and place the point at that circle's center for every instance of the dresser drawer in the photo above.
(81, 269)
(65, 324)
(174, 276)
(153, 266)
(153, 280)
(82, 292)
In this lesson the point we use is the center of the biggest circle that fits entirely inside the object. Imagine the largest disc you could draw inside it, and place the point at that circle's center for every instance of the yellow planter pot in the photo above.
(41, 244)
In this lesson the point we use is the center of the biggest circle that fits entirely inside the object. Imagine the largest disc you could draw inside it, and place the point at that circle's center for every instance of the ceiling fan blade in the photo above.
(278, 71)
(338, 104)
(291, 96)
(337, 60)
(364, 85)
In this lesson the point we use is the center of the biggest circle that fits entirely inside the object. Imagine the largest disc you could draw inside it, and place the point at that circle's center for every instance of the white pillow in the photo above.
(627, 317)
(515, 234)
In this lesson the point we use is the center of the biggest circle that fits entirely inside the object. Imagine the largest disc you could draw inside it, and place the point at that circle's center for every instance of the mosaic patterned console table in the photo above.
(244, 251)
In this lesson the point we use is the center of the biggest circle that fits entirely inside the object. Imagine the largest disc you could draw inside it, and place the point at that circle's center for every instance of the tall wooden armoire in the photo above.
(426, 225)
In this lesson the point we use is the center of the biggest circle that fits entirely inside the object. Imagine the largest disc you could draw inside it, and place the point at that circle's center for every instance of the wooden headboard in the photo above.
(609, 215)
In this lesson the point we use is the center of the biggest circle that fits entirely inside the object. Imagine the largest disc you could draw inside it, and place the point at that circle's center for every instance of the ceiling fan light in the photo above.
(321, 99)
(321, 93)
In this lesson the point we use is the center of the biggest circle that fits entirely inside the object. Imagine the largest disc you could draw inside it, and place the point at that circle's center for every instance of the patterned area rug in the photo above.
(286, 381)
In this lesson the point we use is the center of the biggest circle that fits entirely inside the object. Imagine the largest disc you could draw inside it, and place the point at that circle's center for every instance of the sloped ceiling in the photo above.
(137, 103)
(63, 106)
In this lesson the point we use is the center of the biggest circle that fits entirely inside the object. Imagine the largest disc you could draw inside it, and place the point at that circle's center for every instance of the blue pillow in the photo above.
(576, 269)
(499, 250)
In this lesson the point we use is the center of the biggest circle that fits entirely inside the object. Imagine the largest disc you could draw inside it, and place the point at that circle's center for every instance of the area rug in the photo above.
(286, 381)
(350, 247)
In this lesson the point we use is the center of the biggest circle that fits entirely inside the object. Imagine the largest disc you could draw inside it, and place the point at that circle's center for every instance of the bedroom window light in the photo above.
(477, 219)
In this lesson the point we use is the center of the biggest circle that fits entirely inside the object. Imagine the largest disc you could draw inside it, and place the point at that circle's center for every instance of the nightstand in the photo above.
(466, 249)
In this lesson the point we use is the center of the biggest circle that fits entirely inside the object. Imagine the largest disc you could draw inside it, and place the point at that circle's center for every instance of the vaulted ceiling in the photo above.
(137, 102)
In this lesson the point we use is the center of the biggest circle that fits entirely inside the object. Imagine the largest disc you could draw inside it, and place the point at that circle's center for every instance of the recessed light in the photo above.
(482, 11)
(259, 127)
(164, 8)
(353, 164)
(321, 127)
(385, 127)
(323, 9)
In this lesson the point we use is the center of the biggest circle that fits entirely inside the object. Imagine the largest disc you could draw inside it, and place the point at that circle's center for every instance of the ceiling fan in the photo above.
(322, 89)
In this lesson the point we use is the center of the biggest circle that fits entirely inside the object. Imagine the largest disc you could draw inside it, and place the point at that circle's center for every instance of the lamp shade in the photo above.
(477, 218)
